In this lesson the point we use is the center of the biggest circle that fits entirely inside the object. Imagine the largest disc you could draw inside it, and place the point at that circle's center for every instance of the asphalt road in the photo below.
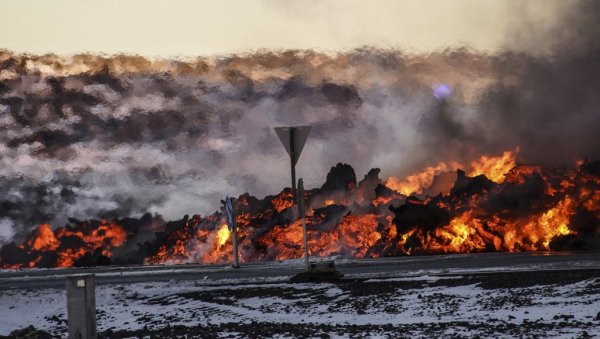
(351, 268)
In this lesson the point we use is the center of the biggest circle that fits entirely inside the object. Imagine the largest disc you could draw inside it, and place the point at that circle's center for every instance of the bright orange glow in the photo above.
(494, 168)
(458, 235)
(283, 201)
(44, 239)
(105, 236)
(222, 235)
(417, 182)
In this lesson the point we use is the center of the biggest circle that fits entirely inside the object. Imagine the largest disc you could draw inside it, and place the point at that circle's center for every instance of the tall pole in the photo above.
(233, 228)
(293, 164)
(305, 243)
(236, 263)
(302, 211)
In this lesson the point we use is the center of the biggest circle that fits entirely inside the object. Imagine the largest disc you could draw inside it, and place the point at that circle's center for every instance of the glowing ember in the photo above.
(283, 201)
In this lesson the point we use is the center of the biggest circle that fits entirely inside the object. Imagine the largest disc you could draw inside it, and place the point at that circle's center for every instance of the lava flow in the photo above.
(494, 204)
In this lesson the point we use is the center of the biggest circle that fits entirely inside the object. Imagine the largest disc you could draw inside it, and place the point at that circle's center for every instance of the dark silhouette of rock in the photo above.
(465, 185)
(414, 213)
(341, 177)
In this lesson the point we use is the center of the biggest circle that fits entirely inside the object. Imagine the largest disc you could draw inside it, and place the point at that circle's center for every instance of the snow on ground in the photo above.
(447, 305)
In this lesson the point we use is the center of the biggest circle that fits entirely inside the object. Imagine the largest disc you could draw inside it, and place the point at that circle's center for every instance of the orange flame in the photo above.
(494, 168)
(417, 182)
(105, 236)
(44, 239)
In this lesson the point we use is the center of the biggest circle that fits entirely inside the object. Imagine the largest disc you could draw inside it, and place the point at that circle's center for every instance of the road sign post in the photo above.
(293, 139)
(292, 162)
(236, 263)
(303, 216)
(315, 271)
(233, 228)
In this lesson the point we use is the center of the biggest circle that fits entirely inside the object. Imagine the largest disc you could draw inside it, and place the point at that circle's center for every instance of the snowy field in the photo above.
(546, 304)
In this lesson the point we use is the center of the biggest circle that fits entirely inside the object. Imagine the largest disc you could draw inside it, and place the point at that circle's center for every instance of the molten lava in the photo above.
(494, 168)
(417, 182)
(64, 246)
(496, 205)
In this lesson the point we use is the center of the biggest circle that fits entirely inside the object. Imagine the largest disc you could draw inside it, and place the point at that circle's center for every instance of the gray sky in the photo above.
(188, 28)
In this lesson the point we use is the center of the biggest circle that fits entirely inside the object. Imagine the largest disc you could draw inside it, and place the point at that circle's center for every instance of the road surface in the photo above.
(351, 268)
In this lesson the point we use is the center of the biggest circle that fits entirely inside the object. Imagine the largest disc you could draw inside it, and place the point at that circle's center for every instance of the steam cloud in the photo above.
(90, 136)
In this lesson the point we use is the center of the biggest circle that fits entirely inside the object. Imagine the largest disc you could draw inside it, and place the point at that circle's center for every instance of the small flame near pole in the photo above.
(222, 235)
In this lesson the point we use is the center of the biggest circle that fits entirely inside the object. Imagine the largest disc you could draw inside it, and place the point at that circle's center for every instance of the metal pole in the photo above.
(236, 263)
(233, 228)
(302, 212)
(305, 243)
(292, 164)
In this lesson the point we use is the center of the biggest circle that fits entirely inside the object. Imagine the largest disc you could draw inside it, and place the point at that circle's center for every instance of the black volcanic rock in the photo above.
(520, 198)
(586, 238)
(575, 242)
(383, 191)
(470, 185)
(414, 213)
(13, 254)
(247, 203)
(367, 186)
(341, 177)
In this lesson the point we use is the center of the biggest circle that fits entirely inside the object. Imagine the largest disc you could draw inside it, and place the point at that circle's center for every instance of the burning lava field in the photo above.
(497, 206)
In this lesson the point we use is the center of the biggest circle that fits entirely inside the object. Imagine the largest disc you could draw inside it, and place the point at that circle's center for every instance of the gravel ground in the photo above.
(562, 303)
